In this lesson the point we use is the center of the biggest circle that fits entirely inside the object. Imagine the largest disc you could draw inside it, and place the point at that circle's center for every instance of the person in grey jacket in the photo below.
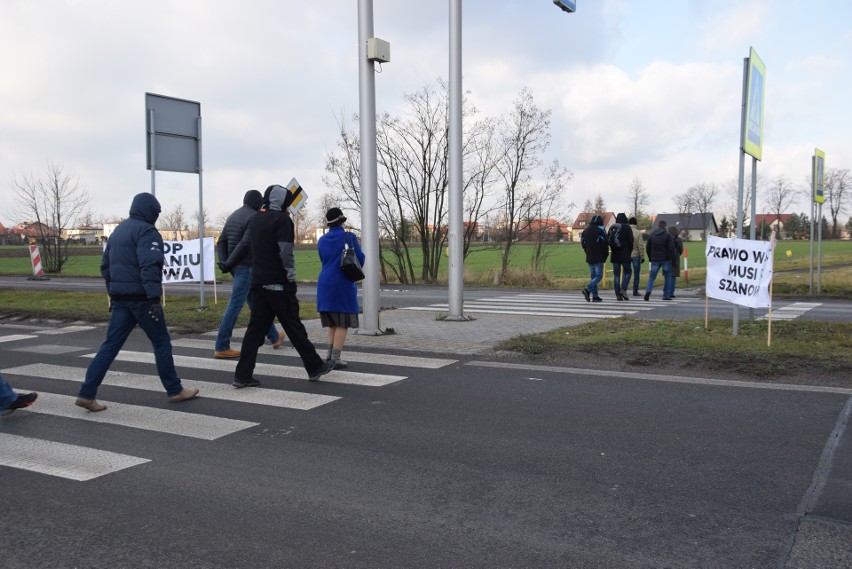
(232, 234)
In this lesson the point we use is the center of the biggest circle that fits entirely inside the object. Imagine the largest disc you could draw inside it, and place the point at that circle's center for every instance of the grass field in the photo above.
(564, 266)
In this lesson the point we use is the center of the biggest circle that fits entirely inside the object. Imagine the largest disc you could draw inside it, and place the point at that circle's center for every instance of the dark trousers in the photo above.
(266, 306)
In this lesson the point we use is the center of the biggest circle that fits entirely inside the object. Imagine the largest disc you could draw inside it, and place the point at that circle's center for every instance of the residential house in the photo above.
(693, 226)
(775, 222)
(87, 234)
(583, 219)
(31, 231)
(548, 229)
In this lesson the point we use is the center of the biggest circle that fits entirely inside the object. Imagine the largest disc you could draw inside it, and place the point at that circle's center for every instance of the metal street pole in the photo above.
(741, 181)
(456, 167)
(369, 190)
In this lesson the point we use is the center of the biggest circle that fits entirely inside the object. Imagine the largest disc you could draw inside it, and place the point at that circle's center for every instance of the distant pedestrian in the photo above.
(661, 252)
(620, 238)
(337, 296)
(232, 234)
(638, 255)
(593, 240)
(132, 266)
(269, 238)
(676, 261)
(10, 401)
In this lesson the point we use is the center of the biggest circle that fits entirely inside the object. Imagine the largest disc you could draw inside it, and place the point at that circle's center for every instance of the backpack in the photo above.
(614, 236)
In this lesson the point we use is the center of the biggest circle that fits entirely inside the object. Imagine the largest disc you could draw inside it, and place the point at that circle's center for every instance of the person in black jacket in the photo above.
(269, 238)
(132, 266)
(232, 234)
(620, 237)
(661, 251)
(593, 240)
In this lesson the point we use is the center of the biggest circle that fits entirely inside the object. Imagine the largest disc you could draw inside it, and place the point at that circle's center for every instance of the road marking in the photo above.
(16, 337)
(666, 378)
(60, 459)
(791, 311)
(179, 423)
(64, 330)
(209, 390)
(265, 370)
(504, 310)
(358, 357)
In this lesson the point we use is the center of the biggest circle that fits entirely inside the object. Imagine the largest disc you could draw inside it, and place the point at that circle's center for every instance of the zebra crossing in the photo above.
(571, 305)
(83, 462)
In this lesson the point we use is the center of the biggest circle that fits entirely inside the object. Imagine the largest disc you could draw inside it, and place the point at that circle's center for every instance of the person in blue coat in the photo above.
(337, 296)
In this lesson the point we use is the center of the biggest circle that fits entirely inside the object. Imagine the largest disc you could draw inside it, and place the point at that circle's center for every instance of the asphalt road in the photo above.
(443, 461)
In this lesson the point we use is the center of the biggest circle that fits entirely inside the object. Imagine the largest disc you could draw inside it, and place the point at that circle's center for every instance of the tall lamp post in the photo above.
(455, 167)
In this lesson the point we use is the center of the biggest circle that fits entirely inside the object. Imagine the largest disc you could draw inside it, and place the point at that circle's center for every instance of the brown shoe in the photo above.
(89, 404)
(226, 354)
(187, 393)
(281, 338)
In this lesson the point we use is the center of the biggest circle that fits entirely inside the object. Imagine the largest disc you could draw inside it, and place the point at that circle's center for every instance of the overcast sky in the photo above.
(638, 89)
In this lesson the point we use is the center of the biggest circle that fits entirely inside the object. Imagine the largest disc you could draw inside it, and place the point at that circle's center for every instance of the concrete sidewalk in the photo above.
(424, 331)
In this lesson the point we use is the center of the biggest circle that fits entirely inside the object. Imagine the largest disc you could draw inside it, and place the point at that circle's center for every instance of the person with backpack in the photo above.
(620, 238)
(661, 252)
(676, 261)
(594, 242)
(638, 255)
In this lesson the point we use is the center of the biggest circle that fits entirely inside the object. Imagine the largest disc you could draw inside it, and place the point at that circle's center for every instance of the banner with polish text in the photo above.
(183, 261)
(739, 271)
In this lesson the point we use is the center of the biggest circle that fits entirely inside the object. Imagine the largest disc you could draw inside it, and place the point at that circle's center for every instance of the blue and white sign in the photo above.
(567, 5)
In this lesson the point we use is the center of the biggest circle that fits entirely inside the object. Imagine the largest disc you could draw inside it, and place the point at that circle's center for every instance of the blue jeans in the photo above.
(7, 394)
(596, 274)
(620, 276)
(637, 264)
(126, 314)
(667, 277)
(239, 296)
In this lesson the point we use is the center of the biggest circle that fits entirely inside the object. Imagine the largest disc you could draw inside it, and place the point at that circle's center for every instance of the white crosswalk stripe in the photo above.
(65, 330)
(270, 397)
(60, 459)
(556, 305)
(16, 337)
(791, 311)
(359, 357)
(265, 370)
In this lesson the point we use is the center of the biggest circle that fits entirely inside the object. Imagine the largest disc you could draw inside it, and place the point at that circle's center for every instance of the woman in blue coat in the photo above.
(337, 296)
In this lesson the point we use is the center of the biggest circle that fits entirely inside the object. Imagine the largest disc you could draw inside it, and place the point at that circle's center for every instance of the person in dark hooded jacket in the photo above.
(661, 251)
(269, 238)
(132, 266)
(593, 240)
(620, 256)
(232, 234)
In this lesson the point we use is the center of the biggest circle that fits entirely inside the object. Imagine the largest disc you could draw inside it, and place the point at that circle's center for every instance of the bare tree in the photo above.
(588, 206)
(731, 189)
(175, 220)
(481, 175)
(703, 197)
(600, 205)
(685, 204)
(547, 211)
(637, 197)
(53, 201)
(193, 233)
(837, 182)
(779, 198)
(524, 135)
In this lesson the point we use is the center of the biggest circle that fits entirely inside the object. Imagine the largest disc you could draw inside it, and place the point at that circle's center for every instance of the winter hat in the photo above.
(632, 221)
(621, 218)
(253, 199)
(596, 220)
(334, 217)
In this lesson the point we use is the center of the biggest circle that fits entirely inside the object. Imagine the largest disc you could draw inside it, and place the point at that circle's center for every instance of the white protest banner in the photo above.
(739, 271)
(183, 261)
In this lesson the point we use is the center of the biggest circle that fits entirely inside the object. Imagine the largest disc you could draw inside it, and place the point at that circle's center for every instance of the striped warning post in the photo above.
(35, 256)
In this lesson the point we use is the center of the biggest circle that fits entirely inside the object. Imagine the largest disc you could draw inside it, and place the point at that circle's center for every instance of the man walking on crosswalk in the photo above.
(269, 238)
(132, 266)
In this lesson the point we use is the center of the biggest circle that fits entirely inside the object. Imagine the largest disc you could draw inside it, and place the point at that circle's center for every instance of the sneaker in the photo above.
(226, 354)
(597, 299)
(587, 294)
(619, 296)
(624, 296)
(24, 400)
(647, 296)
(89, 404)
(277, 343)
(326, 367)
(187, 393)
(240, 383)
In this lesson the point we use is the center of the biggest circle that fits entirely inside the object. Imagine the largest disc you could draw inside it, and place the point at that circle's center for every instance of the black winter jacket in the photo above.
(623, 254)
(235, 227)
(593, 240)
(660, 246)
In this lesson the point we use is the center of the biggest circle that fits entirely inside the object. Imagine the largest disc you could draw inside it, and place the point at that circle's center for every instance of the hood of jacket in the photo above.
(253, 199)
(279, 197)
(659, 231)
(146, 207)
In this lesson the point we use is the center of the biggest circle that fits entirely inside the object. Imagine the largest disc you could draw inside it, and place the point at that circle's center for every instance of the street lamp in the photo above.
(566, 5)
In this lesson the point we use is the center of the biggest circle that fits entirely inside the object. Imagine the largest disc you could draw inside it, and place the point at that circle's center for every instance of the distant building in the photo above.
(547, 229)
(583, 219)
(693, 226)
(776, 223)
(88, 234)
